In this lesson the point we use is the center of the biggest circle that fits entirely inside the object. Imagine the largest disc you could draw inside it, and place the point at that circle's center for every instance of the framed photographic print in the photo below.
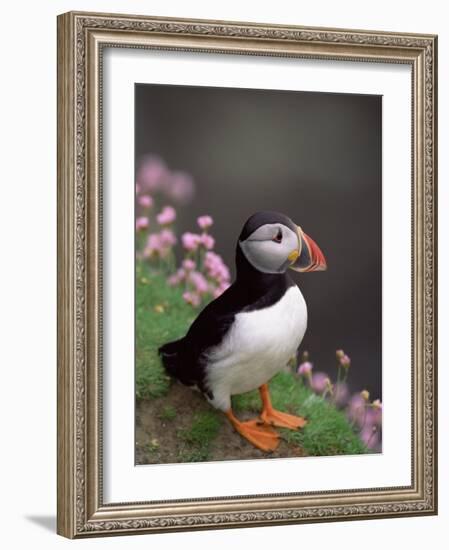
(246, 274)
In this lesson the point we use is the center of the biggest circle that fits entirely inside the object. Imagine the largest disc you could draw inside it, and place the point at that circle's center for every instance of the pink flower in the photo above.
(188, 264)
(142, 223)
(159, 243)
(153, 246)
(167, 237)
(192, 298)
(190, 241)
(154, 241)
(204, 222)
(207, 241)
(370, 436)
(167, 216)
(319, 382)
(341, 394)
(146, 201)
(152, 174)
(181, 274)
(305, 368)
(212, 259)
(345, 361)
(173, 280)
(356, 409)
(177, 277)
(180, 187)
(374, 413)
(222, 273)
(215, 267)
(199, 282)
(218, 291)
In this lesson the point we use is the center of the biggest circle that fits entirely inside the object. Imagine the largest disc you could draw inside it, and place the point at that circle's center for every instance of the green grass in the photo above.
(204, 428)
(162, 316)
(168, 412)
(199, 436)
(193, 454)
(327, 431)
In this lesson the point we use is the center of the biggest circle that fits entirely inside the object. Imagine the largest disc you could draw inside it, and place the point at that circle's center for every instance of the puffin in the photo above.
(240, 340)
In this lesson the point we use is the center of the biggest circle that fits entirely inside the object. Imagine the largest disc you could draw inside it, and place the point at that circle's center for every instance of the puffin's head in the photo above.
(272, 243)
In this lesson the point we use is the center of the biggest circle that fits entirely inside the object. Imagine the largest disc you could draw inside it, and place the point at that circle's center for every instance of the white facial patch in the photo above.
(268, 247)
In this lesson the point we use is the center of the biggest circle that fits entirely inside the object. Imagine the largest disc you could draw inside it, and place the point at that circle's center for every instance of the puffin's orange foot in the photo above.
(282, 420)
(260, 435)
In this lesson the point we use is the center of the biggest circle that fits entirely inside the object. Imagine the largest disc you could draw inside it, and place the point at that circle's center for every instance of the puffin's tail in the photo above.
(171, 356)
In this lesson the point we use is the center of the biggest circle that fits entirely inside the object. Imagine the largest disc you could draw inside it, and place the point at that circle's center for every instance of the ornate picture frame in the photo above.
(82, 39)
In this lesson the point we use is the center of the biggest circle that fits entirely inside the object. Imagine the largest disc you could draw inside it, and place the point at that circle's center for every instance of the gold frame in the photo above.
(81, 38)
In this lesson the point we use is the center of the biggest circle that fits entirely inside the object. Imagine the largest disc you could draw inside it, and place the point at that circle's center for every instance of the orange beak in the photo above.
(309, 257)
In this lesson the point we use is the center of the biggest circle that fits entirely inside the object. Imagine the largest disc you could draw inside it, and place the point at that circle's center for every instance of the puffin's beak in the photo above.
(308, 257)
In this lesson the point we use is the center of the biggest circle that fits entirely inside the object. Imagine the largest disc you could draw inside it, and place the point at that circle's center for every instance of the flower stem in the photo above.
(337, 383)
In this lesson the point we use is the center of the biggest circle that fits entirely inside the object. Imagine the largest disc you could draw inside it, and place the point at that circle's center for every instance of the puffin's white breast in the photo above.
(258, 345)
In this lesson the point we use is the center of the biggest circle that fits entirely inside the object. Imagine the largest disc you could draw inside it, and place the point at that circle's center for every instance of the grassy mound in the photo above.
(161, 316)
(175, 424)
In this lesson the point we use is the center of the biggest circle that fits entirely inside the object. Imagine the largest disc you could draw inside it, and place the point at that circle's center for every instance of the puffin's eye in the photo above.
(278, 237)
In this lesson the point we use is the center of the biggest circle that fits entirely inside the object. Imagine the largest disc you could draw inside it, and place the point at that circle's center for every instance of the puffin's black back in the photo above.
(185, 359)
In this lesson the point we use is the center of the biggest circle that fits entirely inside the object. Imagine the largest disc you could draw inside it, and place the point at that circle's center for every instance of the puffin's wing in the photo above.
(183, 358)
(212, 324)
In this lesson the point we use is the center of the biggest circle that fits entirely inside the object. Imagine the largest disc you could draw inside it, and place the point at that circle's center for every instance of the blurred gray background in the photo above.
(314, 156)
